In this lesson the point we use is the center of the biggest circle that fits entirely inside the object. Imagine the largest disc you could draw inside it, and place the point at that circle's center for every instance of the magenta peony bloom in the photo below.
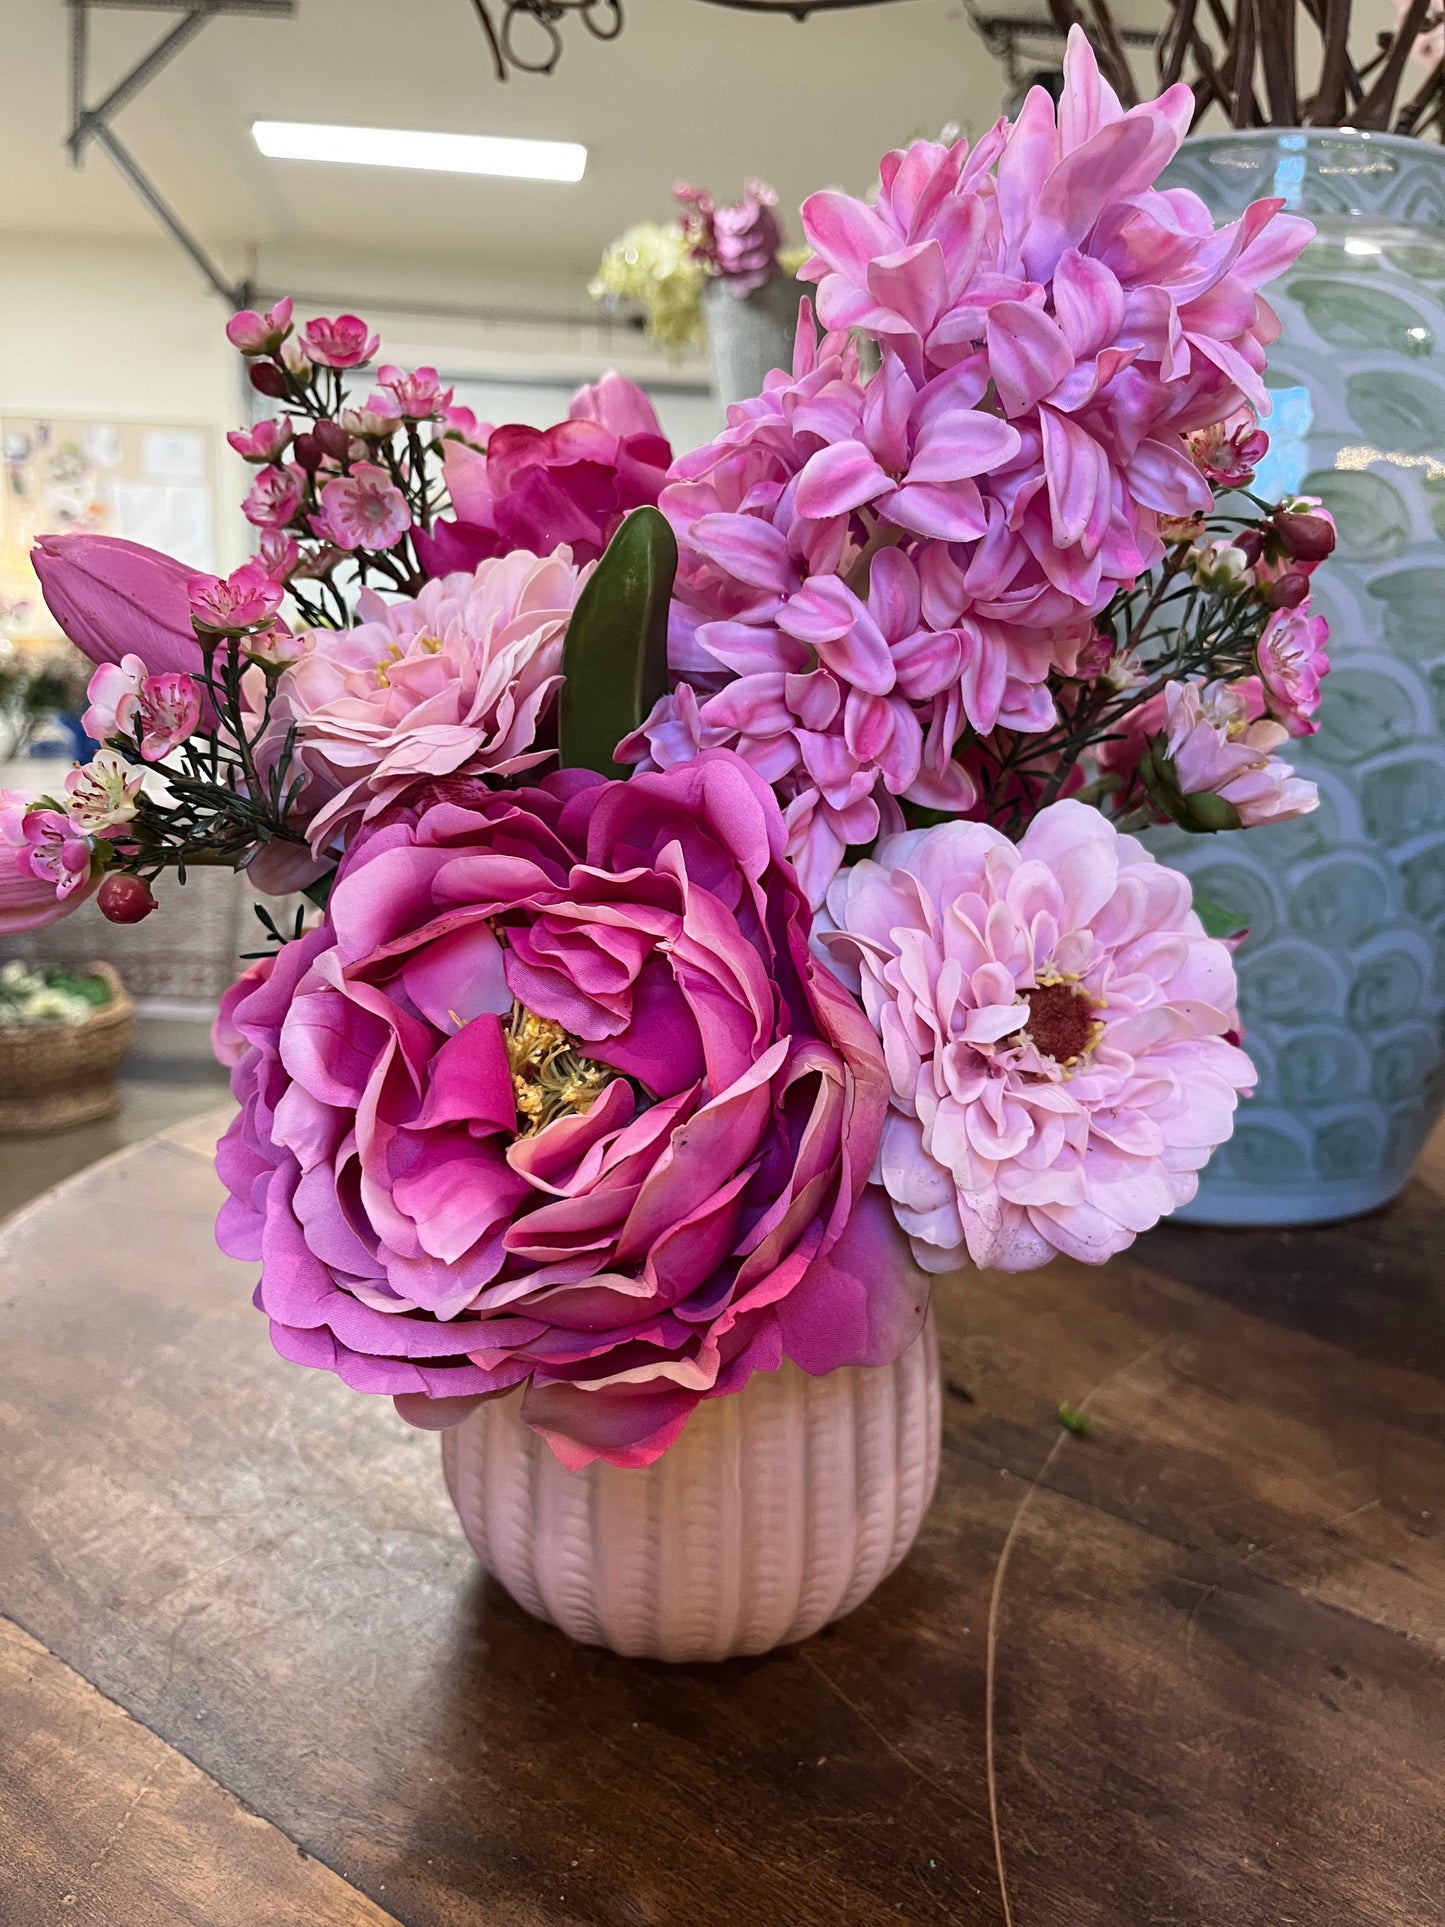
(345, 342)
(1217, 744)
(536, 489)
(453, 681)
(362, 510)
(1292, 665)
(115, 598)
(556, 1096)
(1056, 1026)
(29, 897)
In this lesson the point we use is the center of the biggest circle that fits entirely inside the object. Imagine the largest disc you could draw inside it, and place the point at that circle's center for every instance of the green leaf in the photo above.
(1217, 921)
(319, 892)
(615, 655)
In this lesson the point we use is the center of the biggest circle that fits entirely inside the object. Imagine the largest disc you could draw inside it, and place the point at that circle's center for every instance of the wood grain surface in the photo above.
(1203, 1648)
(105, 1824)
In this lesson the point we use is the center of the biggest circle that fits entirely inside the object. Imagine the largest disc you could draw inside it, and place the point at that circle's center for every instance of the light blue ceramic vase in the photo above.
(1343, 974)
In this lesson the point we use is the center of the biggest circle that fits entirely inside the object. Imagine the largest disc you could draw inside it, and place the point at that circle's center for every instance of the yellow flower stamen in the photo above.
(550, 1076)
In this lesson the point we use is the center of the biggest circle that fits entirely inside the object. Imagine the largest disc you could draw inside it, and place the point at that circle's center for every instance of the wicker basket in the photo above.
(55, 1075)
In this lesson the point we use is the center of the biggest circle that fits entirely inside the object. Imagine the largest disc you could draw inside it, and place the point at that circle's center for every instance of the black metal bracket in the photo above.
(89, 124)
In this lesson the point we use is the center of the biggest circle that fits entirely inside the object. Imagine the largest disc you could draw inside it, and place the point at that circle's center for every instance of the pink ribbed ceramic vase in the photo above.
(777, 1510)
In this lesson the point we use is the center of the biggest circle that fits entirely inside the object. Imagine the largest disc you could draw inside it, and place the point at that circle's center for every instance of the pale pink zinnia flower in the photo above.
(1056, 1026)
(453, 681)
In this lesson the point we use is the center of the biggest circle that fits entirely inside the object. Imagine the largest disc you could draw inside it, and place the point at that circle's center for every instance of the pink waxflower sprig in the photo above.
(340, 481)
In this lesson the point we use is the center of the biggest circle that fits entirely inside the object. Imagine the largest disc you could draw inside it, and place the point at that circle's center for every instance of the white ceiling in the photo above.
(689, 90)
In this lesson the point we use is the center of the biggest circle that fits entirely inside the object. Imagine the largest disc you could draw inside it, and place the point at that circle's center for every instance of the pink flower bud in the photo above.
(1286, 592)
(308, 453)
(269, 380)
(1306, 537)
(332, 439)
(125, 899)
(115, 598)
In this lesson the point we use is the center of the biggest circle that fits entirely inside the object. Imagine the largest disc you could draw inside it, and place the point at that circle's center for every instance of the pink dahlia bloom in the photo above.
(557, 1097)
(1219, 743)
(453, 681)
(29, 896)
(1292, 665)
(534, 488)
(1056, 1026)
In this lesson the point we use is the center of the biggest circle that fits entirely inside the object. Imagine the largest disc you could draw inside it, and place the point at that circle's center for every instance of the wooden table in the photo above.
(251, 1677)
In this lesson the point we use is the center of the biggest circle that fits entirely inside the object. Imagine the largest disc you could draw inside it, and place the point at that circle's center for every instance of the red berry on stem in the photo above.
(125, 899)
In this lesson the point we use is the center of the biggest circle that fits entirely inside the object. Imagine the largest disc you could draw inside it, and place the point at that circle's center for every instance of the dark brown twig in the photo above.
(1376, 107)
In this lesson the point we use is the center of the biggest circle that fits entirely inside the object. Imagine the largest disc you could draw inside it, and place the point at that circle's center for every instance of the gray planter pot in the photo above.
(751, 335)
(1343, 975)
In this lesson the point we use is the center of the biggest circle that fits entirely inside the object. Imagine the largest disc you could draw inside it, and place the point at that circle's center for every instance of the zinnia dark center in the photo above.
(1061, 1021)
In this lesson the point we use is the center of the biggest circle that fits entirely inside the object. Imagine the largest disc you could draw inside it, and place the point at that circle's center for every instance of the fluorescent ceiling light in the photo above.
(523, 160)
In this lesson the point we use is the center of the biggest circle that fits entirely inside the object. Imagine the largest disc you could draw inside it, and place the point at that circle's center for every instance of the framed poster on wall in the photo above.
(151, 482)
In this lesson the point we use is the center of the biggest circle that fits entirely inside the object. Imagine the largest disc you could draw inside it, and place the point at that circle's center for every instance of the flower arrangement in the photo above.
(728, 906)
(662, 268)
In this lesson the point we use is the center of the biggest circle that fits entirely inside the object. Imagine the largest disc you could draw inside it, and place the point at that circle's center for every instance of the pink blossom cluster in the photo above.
(739, 243)
(1053, 330)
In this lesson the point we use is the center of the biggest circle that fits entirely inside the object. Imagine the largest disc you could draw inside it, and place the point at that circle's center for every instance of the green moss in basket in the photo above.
(48, 994)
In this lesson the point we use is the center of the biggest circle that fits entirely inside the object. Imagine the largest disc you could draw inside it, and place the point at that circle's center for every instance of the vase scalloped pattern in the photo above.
(1343, 976)
(778, 1509)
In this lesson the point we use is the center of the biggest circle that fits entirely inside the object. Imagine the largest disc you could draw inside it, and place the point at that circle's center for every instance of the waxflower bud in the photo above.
(125, 899)
(332, 439)
(308, 452)
(1286, 592)
(1307, 538)
(1250, 544)
(268, 379)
